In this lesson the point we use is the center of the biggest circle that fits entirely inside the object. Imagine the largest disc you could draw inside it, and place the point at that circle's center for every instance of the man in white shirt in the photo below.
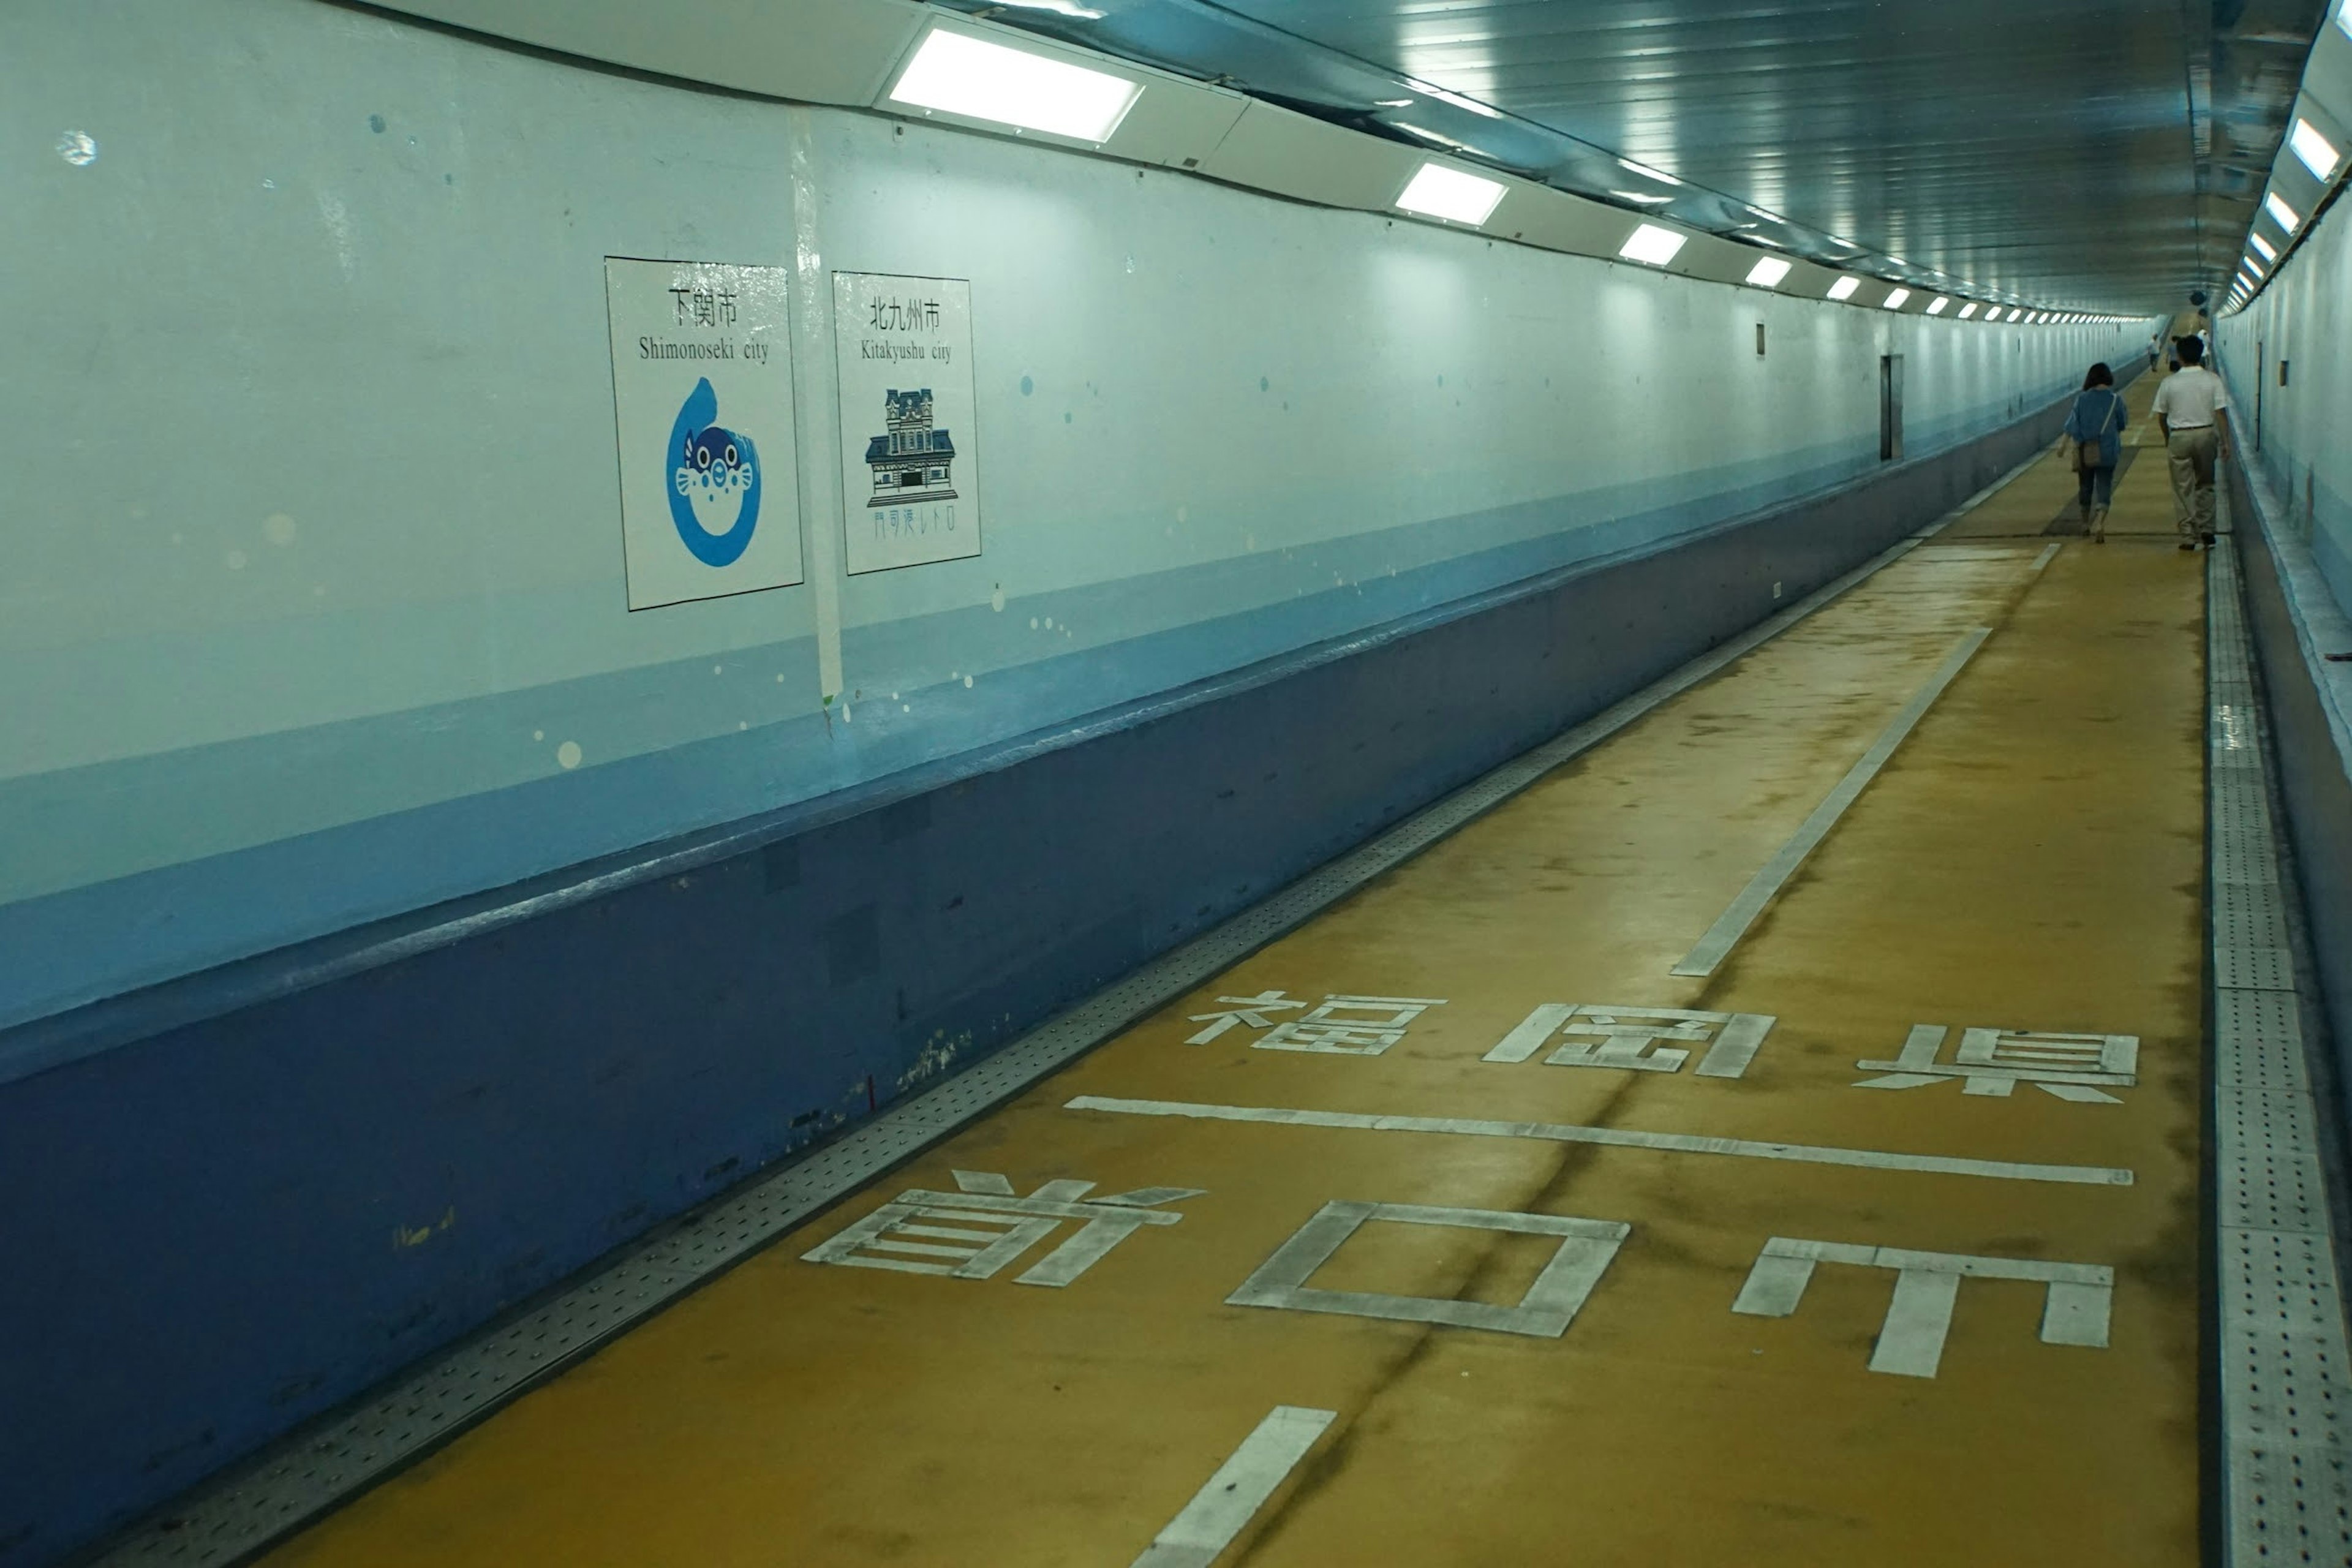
(2192, 409)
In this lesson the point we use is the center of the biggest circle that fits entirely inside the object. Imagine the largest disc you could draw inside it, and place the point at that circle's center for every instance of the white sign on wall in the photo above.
(702, 397)
(909, 446)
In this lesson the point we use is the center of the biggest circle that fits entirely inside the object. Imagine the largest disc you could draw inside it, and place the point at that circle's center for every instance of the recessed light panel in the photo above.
(1939, 305)
(1967, 310)
(2262, 247)
(956, 73)
(1451, 194)
(1895, 302)
(2017, 314)
(1767, 272)
(1843, 287)
(1652, 245)
(2318, 154)
(2281, 214)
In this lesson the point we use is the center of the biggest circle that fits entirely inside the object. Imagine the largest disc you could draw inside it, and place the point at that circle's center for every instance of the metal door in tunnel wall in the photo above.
(1890, 408)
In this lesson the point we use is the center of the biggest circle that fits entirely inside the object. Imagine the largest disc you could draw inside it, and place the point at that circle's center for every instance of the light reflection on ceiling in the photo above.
(2092, 154)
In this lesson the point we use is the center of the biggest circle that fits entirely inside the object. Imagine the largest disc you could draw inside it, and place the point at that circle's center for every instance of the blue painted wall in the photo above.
(339, 1015)
(222, 1225)
(2311, 727)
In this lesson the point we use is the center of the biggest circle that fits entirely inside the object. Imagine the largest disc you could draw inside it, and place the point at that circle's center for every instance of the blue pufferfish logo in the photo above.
(714, 491)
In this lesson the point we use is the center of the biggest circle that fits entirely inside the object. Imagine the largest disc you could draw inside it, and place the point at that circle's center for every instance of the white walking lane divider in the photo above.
(1733, 923)
(1232, 1496)
(1616, 1138)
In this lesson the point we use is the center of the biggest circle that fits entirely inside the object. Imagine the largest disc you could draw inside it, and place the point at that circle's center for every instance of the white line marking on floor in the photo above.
(2075, 1306)
(1240, 1486)
(1615, 1137)
(1548, 1306)
(1733, 923)
(2049, 554)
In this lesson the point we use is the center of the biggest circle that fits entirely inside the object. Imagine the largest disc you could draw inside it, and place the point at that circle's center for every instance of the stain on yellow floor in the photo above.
(2029, 860)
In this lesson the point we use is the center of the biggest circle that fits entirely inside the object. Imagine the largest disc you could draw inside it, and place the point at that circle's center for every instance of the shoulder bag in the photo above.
(2088, 453)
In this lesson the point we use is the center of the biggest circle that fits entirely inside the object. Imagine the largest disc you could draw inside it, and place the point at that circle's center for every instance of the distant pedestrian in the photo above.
(2192, 409)
(2192, 323)
(2094, 431)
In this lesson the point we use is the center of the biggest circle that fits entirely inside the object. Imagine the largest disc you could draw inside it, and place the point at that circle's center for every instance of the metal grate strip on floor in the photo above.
(304, 1477)
(2286, 1378)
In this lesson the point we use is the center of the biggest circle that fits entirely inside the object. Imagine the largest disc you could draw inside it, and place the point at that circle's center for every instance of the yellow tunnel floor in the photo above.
(1470, 1233)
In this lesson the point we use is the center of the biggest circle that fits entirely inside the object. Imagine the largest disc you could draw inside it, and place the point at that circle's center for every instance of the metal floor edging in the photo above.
(254, 1506)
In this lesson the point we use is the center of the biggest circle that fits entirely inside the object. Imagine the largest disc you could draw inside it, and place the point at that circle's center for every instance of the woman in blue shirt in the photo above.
(2095, 430)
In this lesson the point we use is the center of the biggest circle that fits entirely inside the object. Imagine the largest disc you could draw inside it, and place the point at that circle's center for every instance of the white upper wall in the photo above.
(313, 357)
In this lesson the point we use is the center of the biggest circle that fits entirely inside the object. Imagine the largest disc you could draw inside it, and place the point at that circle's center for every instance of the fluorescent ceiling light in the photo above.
(1457, 99)
(1647, 172)
(2318, 154)
(2017, 314)
(1638, 196)
(1895, 302)
(958, 73)
(2251, 266)
(2262, 247)
(1843, 287)
(1939, 305)
(1967, 310)
(1440, 191)
(1435, 138)
(1767, 272)
(1060, 8)
(2281, 214)
(1653, 244)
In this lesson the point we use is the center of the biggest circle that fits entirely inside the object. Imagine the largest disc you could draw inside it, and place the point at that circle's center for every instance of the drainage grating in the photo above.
(2287, 1382)
(308, 1475)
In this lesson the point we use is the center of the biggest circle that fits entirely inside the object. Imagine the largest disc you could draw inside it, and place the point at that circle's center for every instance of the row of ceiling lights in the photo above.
(1458, 196)
(2316, 153)
(955, 73)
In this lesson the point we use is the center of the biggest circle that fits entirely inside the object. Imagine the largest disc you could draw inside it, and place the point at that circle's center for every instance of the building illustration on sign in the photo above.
(912, 461)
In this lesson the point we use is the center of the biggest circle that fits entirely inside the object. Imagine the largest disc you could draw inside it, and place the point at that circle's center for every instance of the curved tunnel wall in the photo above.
(337, 575)
(2293, 426)
(2291, 385)
(1299, 517)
